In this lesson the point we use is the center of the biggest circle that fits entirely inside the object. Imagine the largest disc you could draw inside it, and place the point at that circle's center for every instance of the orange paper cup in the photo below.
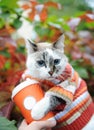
(26, 95)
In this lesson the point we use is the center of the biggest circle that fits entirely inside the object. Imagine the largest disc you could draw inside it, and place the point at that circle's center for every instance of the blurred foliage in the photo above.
(10, 13)
(5, 124)
(74, 18)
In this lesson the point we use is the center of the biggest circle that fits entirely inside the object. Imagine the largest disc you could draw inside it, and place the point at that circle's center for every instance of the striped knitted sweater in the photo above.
(79, 108)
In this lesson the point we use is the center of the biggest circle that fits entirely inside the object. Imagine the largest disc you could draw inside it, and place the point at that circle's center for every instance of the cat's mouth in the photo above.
(51, 78)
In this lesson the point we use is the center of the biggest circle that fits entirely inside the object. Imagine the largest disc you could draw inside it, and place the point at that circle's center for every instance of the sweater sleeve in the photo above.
(66, 89)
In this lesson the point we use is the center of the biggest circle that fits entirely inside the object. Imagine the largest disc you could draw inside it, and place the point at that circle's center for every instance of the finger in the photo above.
(48, 129)
(46, 124)
(23, 124)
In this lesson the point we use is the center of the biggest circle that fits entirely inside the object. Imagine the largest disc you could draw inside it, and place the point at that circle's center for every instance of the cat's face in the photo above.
(45, 60)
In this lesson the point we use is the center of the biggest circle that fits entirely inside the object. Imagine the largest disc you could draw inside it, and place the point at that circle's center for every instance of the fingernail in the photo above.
(53, 121)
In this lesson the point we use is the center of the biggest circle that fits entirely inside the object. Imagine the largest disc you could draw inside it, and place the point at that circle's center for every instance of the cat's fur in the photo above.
(46, 61)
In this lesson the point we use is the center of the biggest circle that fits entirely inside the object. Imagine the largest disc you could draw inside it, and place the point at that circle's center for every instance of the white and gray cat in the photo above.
(47, 61)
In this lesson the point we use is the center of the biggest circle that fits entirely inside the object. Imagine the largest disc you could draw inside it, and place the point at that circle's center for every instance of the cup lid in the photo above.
(22, 85)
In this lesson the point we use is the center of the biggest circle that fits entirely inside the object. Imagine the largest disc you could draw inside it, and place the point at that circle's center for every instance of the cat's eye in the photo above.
(56, 61)
(41, 63)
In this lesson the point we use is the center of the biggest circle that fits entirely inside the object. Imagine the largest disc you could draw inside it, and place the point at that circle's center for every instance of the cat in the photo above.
(47, 61)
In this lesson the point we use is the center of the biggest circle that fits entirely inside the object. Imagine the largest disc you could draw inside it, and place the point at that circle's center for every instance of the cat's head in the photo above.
(46, 60)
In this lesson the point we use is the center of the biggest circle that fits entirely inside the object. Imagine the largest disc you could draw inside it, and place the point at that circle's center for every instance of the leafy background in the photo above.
(49, 19)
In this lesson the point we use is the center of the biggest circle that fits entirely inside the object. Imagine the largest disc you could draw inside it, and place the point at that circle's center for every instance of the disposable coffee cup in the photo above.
(26, 95)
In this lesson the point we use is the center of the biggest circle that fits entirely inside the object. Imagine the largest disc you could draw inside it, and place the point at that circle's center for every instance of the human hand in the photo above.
(37, 125)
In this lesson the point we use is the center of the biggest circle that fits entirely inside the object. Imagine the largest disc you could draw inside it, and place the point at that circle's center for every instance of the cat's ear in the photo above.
(31, 47)
(59, 44)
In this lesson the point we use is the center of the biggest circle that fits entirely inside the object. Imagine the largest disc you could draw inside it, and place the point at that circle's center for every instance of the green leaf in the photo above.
(82, 25)
(20, 49)
(90, 25)
(7, 65)
(75, 63)
(5, 53)
(5, 14)
(17, 23)
(2, 23)
(9, 3)
(42, 1)
(42, 31)
(82, 72)
(5, 124)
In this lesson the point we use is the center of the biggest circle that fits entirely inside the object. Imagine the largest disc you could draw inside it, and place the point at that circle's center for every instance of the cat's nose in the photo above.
(50, 72)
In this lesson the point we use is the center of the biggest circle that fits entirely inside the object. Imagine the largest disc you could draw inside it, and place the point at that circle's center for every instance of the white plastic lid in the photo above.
(22, 85)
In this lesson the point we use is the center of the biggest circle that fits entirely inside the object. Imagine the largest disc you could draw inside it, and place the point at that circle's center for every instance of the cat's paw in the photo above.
(41, 108)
